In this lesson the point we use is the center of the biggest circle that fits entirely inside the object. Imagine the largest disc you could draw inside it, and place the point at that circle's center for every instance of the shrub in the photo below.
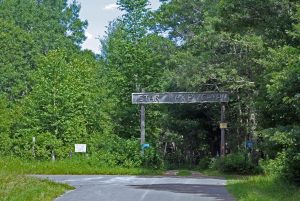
(204, 163)
(285, 159)
(235, 163)
(275, 166)
(116, 151)
(152, 159)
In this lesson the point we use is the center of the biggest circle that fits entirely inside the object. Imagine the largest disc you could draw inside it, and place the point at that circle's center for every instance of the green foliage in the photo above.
(59, 111)
(20, 187)
(79, 164)
(282, 145)
(134, 18)
(182, 18)
(263, 188)
(275, 167)
(14, 186)
(184, 173)
(152, 159)
(282, 86)
(15, 61)
(235, 163)
(247, 47)
(111, 152)
(6, 121)
(47, 22)
(268, 18)
(29, 30)
(133, 63)
(51, 90)
(204, 163)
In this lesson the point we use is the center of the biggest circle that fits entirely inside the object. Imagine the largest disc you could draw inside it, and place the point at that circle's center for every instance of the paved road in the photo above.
(136, 188)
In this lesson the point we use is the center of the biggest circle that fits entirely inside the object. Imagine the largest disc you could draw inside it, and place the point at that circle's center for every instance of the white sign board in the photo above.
(80, 148)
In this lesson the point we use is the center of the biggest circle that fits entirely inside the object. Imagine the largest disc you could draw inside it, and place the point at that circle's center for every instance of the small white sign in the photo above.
(80, 148)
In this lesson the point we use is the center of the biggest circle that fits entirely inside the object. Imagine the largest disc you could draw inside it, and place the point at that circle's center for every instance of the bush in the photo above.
(235, 163)
(152, 159)
(204, 163)
(116, 151)
(285, 159)
(274, 167)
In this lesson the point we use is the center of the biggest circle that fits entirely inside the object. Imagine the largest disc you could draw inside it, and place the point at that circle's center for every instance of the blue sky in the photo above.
(99, 13)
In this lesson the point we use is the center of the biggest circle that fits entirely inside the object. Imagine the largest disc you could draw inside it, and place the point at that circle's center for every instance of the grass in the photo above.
(184, 173)
(258, 188)
(74, 166)
(14, 187)
(263, 188)
(216, 173)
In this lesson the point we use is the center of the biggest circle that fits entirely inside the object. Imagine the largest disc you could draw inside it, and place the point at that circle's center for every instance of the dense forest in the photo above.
(54, 91)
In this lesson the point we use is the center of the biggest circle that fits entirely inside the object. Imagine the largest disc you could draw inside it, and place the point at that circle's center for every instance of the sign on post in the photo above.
(179, 97)
(80, 148)
(223, 125)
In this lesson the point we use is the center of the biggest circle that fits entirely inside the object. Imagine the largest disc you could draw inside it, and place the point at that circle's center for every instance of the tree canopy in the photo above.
(53, 90)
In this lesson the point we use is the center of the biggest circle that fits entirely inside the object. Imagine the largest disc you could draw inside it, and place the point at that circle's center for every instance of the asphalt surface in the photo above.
(136, 188)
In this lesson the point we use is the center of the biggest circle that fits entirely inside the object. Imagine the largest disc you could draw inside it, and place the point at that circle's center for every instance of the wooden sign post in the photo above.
(143, 132)
(222, 127)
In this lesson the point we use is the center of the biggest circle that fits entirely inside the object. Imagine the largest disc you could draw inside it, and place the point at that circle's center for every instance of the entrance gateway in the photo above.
(182, 98)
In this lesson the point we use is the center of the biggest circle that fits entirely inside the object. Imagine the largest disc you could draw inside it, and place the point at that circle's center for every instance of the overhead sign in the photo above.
(81, 148)
(180, 97)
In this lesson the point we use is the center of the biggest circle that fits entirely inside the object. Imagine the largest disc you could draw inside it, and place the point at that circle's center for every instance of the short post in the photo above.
(33, 144)
(222, 130)
(53, 155)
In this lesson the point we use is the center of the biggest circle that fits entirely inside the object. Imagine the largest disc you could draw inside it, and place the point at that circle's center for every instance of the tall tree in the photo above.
(61, 109)
(135, 61)
(40, 26)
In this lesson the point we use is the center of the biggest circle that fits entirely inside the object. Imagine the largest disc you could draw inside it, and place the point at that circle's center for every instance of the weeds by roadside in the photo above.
(263, 188)
(78, 165)
(14, 187)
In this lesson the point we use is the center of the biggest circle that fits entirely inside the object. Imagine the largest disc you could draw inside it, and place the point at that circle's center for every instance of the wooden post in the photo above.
(143, 133)
(33, 145)
(222, 130)
(142, 127)
(142, 124)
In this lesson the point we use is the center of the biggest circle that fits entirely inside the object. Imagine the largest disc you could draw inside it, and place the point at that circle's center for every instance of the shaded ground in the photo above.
(214, 191)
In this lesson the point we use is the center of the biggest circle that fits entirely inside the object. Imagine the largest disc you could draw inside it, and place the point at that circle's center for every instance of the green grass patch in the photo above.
(76, 166)
(184, 173)
(14, 187)
(258, 187)
(216, 173)
(263, 188)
